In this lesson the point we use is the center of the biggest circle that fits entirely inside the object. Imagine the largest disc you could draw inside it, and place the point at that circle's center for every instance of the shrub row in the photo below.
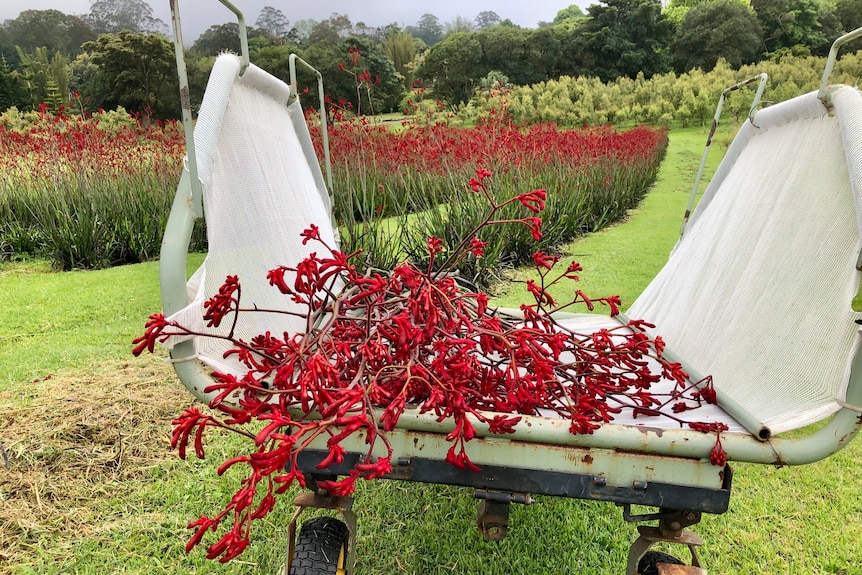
(665, 99)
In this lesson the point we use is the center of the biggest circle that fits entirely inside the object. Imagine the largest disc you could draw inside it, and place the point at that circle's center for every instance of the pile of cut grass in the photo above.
(74, 438)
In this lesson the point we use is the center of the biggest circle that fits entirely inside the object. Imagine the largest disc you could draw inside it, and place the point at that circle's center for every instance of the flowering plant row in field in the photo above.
(91, 192)
(86, 192)
(377, 344)
(45, 146)
(593, 176)
(439, 149)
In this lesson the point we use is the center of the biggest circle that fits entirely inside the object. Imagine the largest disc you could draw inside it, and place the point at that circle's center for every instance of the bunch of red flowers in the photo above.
(378, 344)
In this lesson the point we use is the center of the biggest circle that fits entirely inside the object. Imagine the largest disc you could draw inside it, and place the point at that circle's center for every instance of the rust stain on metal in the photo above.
(645, 429)
(185, 100)
(587, 459)
(711, 133)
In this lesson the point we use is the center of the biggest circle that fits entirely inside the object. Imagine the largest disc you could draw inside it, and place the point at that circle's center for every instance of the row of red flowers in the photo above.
(47, 146)
(438, 149)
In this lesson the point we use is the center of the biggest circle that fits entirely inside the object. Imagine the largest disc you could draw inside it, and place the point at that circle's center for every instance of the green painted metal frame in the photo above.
(824, 92)
(682, 452)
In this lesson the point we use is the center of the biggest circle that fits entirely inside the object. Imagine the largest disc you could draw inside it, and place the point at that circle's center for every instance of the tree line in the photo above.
(119, 53)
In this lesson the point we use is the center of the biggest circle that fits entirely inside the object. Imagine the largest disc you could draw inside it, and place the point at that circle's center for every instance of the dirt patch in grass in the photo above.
(72, 438)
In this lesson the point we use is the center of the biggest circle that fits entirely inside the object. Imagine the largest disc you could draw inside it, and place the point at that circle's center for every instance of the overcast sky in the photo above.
(198, 15)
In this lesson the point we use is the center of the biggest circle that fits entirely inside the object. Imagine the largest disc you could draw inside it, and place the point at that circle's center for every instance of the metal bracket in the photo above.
(674, 519)
(503, 496)
(493, 511)
(493, 520)
(322, 500)
(670, 529)
(824, 93)
(846, 405)
(762, 78)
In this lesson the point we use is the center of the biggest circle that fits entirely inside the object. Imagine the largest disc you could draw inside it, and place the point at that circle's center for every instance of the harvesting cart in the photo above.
(779, 221)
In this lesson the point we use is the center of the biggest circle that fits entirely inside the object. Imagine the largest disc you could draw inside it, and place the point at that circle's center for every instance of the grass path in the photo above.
(622, 259)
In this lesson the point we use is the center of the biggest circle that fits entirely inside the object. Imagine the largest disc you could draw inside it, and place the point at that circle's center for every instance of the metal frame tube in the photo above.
(763, 78)
(294, 87)
(824, 93)
(187, 207)
(185, 99)
(186, 105)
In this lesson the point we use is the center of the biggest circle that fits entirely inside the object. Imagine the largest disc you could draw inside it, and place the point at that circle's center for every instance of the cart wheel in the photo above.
(321, 548)
(647, 564)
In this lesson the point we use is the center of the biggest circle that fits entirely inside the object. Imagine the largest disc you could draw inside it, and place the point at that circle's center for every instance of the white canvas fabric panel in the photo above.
(758, 292)
(848, 107)
(261, 187)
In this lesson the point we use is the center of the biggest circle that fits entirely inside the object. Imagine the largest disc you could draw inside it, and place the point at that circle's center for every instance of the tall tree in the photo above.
(505, 50)
(400, 48)
(51, 29)
(357, 72)
(790, 23)
(7, 48)
(374, 33)
(454, 67)
(719, 29)
(831, 27)
(333, 30)
(139, 72)
(301, 30)
(623, 38)
(428, 29)
(544, 49)
(221, 37)
(11, 91)
(458, 24)
(486, 19)
(849, 12)
(88, 82)
(573, 12)
(273, 21)
(113, 16)
(45, 77)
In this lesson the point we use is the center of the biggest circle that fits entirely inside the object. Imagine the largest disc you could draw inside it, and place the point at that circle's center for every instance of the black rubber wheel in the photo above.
(647, 564)
(321, 548)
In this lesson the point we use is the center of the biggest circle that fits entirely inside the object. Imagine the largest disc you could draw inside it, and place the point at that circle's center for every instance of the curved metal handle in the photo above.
(187, 208)
(294, 90)
(762, 78)
(243, 35)
(824, 94)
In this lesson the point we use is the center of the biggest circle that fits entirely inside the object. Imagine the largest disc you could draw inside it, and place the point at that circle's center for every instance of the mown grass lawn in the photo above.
(91, 486)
